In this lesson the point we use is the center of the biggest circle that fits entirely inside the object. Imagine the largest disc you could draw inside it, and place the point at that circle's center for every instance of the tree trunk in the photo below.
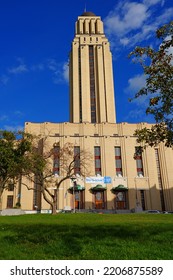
(1, 192)
(51, 203)
(54, 208)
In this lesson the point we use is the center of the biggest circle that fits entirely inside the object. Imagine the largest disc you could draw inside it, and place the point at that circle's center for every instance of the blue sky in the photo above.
(36, 39)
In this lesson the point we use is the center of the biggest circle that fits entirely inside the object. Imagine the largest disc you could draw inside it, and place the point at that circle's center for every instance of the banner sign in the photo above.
(98, 180)
(107, 180)
(94, 180)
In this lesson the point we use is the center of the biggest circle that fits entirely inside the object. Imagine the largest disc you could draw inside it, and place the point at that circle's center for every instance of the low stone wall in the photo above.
(12, 212)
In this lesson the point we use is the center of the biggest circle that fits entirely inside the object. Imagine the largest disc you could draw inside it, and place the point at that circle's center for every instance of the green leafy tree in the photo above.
(41, 170)
(28, 160)
(157, 65)
(14, 160)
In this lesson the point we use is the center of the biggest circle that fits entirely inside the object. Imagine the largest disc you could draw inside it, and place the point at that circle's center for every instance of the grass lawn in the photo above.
(87, 237)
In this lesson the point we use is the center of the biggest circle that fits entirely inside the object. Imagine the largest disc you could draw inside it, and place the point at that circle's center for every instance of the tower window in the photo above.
(92, 84)
(56, 161)
(97, 158)
(80, 88)
(118, 161)
(139, 164)
(77, 160)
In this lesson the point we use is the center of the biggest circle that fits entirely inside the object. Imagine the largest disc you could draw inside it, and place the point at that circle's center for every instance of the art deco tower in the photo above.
(91, 74)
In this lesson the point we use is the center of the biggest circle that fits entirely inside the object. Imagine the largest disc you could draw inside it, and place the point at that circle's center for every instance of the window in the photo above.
(56, 162)
(80, 88)
(92, 84)
(77, 160)
(97, 158)
(118, 161)
(9, 201)
(143, 199)
(139, 164)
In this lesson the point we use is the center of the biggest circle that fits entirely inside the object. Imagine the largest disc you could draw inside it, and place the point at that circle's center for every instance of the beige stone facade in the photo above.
(121, 177)
(152, 190)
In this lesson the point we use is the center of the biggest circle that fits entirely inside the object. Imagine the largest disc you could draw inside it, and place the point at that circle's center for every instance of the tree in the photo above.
(158, 68)
(14, 160)
(46, 178)
(26, 158)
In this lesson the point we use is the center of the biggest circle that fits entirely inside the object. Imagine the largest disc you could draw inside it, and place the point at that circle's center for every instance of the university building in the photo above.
(123, 178)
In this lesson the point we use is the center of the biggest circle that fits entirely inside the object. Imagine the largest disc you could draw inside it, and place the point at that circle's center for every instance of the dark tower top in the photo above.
(88, 14)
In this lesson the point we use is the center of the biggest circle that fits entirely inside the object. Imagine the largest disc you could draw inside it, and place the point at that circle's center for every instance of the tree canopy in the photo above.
(29, 159)
(68, 163)
(157, 66)
(14, 160)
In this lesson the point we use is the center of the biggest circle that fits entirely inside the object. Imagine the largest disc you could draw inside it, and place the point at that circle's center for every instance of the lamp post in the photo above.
(136, 192)
(73, 178)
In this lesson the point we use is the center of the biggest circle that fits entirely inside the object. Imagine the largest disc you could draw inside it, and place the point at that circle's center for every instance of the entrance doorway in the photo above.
(120, 200)
(79, 199)
(99, 200)
(10, 201)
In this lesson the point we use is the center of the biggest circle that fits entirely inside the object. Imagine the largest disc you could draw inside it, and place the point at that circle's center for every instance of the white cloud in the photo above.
(13, 127)
(132, 22)
(141, 103)
(135, 114)
(125, 41)
(153, 2)
(66, 72)
(139, 115)
(22, 68)
(169, 51)
(165, 16)
(7, 122)
(136, 83)
(10, 121)
(125, 17)
(135, 14)
(59, 71)
(52, 64)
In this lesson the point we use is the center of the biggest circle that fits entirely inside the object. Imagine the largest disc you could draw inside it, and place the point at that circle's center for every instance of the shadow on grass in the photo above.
(86, 242)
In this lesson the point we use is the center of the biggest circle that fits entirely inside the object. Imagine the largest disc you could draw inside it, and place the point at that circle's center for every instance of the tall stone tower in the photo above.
(91, 73)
